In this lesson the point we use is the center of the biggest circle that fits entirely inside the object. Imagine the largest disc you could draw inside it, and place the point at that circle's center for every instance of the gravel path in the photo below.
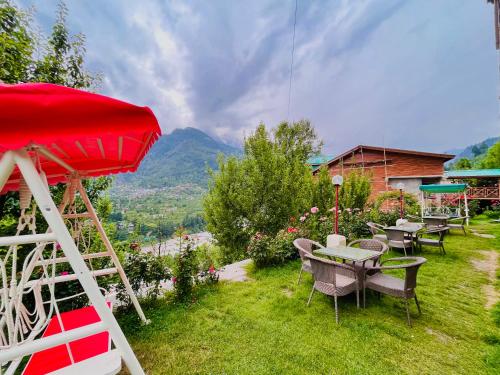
(235, 271)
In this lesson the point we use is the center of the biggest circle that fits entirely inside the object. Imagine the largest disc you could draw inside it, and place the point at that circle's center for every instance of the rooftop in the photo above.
(473, 173)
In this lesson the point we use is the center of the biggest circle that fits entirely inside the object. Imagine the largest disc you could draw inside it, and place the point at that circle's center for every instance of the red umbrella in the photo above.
(95, 135)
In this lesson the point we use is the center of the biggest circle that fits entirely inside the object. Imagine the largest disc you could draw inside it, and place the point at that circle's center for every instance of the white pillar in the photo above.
(56, 223)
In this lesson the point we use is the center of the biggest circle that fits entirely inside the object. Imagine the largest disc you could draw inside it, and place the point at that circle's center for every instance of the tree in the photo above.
(463, 163)
(297, 140)
(492, 158)
(323, 190)
(355, 190)
(261, 191)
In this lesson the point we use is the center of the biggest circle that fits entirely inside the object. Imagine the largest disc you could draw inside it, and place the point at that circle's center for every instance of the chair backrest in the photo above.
(370, 244)
(324, 270)
(410, 268)
(395, 234)
(304, 246)
(374, 227)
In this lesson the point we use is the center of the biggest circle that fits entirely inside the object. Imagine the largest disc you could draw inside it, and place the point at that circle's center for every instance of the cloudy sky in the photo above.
(419, 74)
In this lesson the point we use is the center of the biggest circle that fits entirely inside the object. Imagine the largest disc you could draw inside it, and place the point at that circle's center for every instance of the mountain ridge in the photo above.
(181, 157)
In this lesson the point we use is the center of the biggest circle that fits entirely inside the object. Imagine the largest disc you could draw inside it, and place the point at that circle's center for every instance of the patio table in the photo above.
(411, 228)
(353, 254)
(436, 220)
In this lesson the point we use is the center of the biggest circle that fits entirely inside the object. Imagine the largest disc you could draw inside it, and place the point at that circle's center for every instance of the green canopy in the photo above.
(444, 188)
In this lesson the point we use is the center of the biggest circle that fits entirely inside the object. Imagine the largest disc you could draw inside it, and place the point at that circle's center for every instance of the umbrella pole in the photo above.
(63, 237)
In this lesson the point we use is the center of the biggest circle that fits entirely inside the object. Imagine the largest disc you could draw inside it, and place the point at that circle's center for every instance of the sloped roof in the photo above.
(473, 173)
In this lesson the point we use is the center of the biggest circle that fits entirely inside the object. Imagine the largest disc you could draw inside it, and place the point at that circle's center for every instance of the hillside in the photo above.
(473, 150)
(167, 189)
(178, 158)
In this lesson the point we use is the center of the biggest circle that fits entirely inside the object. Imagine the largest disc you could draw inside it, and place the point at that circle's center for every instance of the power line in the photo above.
(291, 63)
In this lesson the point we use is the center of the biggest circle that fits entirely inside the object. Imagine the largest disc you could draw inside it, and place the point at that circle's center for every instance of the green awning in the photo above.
(443, 188)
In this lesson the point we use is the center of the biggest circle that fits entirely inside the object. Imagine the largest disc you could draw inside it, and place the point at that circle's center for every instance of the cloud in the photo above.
(402, 73)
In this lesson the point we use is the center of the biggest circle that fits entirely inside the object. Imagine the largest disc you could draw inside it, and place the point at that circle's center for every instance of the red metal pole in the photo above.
(401, 204)
(336, 209)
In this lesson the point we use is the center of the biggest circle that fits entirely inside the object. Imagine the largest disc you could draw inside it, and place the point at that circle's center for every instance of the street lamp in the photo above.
(400, 187)
(337, 181)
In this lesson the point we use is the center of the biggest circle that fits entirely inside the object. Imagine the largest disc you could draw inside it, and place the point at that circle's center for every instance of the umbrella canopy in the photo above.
(95, 135)
(443, 188)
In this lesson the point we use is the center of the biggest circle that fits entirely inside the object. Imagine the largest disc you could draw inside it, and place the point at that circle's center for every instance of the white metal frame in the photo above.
(466, 205)
(59, 232)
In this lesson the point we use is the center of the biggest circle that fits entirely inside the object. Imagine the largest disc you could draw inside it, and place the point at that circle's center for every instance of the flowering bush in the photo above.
(145, 272)
(258, 250)
(266, 250)
(185, 269)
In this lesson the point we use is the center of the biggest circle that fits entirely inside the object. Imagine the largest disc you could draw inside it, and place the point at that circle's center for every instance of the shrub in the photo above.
(411, 205)
(145, 273)
(281, 246)
(185, 270)
(355, 191)
(259, 250)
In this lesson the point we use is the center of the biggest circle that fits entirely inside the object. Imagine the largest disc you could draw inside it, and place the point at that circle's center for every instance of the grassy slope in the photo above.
(264, 326)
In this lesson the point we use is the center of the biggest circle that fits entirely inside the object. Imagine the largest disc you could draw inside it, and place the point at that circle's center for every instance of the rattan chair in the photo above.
(305, 246)
(439, 242)
(368, 244)
(394, 286)
(458, 223)
(377, 231)
(333, 279)
(399, 239)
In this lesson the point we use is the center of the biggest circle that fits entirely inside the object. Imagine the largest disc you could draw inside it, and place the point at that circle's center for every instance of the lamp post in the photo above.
(401, 186)
(337, 181)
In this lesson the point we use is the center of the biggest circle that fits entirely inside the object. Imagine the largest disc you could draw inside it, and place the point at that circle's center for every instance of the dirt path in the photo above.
(488, 264)
(235, 271)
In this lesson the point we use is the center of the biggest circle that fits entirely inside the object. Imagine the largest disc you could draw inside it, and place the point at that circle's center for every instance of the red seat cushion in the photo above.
(58, 357)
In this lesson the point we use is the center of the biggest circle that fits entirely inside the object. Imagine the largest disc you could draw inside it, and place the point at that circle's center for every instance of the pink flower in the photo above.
(185, 237)
(322, 218)
(292, 230)
(58, 246)
(314, 210)
(332, 209)
(306, 214)
(64, 273)
(302, 218)
(211, 269)
(174, 279)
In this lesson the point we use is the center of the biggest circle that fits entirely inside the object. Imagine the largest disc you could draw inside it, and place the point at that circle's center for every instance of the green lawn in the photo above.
(264, 327)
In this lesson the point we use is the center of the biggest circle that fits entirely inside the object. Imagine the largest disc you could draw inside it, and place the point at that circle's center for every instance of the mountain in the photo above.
(176, 159)
(473, 150)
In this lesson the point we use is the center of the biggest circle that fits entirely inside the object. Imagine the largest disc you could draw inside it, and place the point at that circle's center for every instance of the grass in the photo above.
(264, 327)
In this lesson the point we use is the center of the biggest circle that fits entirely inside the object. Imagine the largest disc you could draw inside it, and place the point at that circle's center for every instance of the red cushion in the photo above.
(58, 357)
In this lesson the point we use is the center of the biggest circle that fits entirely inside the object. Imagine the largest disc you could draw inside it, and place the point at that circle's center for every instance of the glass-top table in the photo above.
(408, 227)
(348, 253)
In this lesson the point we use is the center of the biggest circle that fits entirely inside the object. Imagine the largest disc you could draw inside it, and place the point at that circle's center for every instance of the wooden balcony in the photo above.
(486, 192)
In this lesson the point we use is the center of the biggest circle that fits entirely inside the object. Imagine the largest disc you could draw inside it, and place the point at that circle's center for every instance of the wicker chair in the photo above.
(377, 231)
(305, 246)
(439, 242)
(333, 279)
(396, 287)
(453, 224)
(368, 244)
(399, 239)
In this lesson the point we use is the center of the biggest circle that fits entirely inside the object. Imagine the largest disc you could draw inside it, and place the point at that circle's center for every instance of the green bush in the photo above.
(145, 273)
(259, 250)
(185, 270)
(266, 250)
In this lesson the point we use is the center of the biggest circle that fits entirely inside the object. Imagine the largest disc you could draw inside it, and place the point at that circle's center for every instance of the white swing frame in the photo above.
(58, 232)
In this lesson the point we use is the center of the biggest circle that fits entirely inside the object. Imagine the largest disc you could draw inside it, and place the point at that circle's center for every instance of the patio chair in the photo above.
(458, 223)
(377, 231)
(399, 239)
(439, 242)
(333, 279)
(394, 286)
(305, 246)
(368, 244)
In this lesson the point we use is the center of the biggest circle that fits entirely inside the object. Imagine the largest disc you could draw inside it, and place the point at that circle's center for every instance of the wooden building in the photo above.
(388, 167)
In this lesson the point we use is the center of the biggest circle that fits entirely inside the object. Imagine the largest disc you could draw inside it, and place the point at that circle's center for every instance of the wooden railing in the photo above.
(486, 192)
